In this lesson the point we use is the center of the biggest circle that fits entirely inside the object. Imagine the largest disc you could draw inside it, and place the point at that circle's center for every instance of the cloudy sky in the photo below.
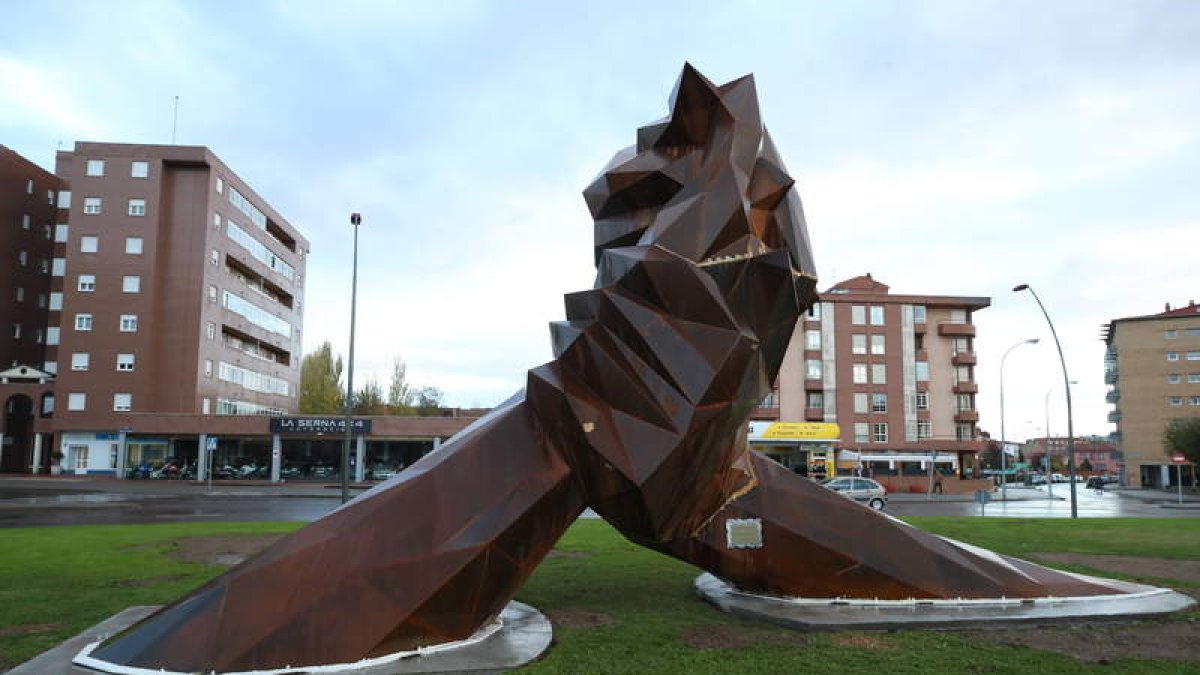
(945, 147)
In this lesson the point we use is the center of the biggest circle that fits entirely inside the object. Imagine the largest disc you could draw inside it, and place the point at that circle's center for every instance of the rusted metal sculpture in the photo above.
(703, 267)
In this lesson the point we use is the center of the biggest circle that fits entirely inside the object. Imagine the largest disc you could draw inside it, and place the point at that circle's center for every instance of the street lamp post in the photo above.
(355, 220)
(1003, 449)
(1067, 387)
(1049, 463)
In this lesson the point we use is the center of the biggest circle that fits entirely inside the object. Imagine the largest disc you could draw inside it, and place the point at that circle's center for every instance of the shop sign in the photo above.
(318, 425)
(794, 431)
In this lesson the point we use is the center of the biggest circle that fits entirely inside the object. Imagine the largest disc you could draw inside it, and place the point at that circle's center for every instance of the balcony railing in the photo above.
(966, 416)
(966, 388)
(956, 329)
(1110, 376)
(963, 358)
(814, 414)
(1114, 415)
(1112, 396)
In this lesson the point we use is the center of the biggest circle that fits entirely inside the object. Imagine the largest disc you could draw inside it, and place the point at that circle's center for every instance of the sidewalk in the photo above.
(1165, 498)
(50, 485)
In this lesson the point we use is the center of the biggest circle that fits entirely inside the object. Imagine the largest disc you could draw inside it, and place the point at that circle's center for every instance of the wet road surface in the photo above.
(43, 502)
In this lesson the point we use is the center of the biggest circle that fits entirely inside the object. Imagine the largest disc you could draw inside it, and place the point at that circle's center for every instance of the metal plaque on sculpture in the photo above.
(318, 425)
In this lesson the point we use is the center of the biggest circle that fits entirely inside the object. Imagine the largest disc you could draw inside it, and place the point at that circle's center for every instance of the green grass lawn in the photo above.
(617, 607)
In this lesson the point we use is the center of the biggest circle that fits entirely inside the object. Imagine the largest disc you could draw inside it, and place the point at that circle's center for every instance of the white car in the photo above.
(863, 490)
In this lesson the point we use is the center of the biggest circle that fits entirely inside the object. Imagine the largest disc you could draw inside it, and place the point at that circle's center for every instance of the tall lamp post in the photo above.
(1067, 387)
(355, 220)
(1049, 467)
(1004, 450)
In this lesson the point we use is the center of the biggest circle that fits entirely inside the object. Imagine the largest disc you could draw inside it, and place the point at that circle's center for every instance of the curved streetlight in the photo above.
(347, 407)
(1003, 438)
(1049, 469)
(1067, 387)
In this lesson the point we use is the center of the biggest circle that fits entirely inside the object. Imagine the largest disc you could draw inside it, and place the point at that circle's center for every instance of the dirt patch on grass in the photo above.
(732, 637)
(579, 618)
(575, 555)
(147, 581)
(862, 642)
(227, 550)
(1170, 641)
(29, 629)
(1161, 568)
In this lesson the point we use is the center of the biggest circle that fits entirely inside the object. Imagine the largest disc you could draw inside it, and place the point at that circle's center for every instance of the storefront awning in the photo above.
(852, 456)
(791, 433)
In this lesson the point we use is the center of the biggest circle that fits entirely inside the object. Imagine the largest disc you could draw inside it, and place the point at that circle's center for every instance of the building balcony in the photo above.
(1112, 396)
(956, 329)
(1114, 415)
(814, 385)
(919, 327)
(963, 359)
(766, 414)
(966, 388)
(1110, 376)
(814, 414)
(966, 416)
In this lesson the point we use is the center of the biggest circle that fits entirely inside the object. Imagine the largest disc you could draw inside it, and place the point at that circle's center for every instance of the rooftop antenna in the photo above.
(175, 120)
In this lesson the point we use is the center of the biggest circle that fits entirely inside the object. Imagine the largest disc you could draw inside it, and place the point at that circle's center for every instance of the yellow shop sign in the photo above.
(794, 431)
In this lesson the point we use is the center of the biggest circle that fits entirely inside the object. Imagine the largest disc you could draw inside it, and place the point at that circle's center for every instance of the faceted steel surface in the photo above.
(703, 267)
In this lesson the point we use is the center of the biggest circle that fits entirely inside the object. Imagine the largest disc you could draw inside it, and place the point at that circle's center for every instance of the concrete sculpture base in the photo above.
(521, 635)
(1128, 601)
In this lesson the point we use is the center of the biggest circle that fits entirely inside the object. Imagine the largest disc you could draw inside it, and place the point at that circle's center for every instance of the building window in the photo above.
(1191, 332)
(1175, 401)
(816, 399)
(47, 232)
(1170, 334)
(964, 402)
(29, 187)
(922, 400)
(879, 373)
(858, 315)
(131, 284)
(860, 403)
(876, 315)
(25, 221)
(1194, 400)
(918, 317)
(220, 185)
(83, 322)
(878, 403)
(958, 316)
(133, 245)
(879, 432)
(95, 167)
(878, 344)
(858, 344)
(16, 331)
(1172, 356)
(964, 431)
(814, 312)
(1193, 378)
(129, 323)
(771, 400)
(860, 373)
(22, 259)
(44, 268)
(212, 293)
(1174, 378)
(137, 207)
(122, 402)
(214, 257)
(56, 298)
(139, 169)
(92, 206)
(87, 283)
(1193, 356)
(211, 330)
(962, 374)
(52, 335)
(208, 367)
(216, 221)
(89, 244)
(20, 294)
(813, 367)
(924, 433)
(862, 432)
(76, 401)
(61, 232)
(125, 362)
(812, 339)
(80, 361)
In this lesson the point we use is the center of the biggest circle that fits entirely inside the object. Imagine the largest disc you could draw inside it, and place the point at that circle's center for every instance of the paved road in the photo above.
(26, 502)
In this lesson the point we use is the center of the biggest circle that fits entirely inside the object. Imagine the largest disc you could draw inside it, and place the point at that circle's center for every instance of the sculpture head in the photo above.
(705, 183)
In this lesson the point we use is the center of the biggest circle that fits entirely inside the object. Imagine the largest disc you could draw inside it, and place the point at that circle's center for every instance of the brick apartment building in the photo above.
(1153, 367)
(1094, 456)
(153, 316)
(895, 372)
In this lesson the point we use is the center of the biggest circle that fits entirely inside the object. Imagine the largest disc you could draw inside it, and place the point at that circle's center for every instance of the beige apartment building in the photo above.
(1153, 367)
(895, 372)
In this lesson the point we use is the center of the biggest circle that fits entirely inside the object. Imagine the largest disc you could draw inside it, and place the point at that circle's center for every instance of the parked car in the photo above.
(862, 490)
(1058, 478)
(1035, 479)
(1096, 483)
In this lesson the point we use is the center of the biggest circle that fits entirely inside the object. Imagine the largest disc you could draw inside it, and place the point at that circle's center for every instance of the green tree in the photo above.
(320, 382)
(1085, 465)
(400, 392)
(990, 457)
(428, 400)
(369, 399)
(1183, 435)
